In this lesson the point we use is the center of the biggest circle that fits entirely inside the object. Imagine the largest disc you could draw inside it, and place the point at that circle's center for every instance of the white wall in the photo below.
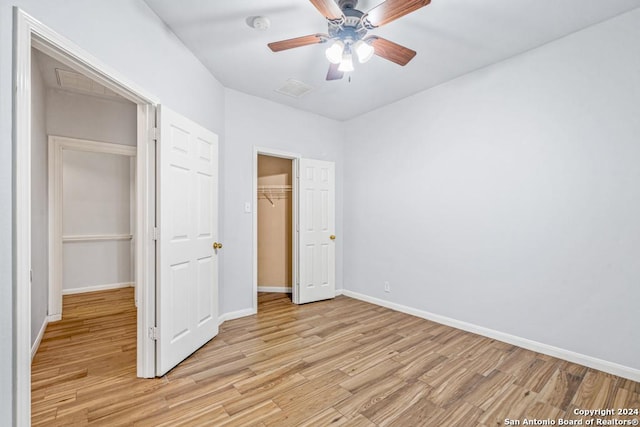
(250, 122)
(509, 198)
(128, 37)
(39, 204)
(7, 381)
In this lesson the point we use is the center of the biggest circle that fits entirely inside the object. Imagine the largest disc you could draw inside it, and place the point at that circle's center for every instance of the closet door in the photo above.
(187, 290)
(317, 219)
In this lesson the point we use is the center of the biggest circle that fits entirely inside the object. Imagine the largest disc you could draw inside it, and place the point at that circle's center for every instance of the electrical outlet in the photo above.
(387, 287)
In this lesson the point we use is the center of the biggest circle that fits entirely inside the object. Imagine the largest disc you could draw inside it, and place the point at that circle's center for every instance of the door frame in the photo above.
(57, 145)
(28, 33)
(295, 158)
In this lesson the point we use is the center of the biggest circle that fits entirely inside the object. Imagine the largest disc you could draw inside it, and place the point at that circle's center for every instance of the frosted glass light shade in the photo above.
(334, 52)
(364, 51)
(346, 64)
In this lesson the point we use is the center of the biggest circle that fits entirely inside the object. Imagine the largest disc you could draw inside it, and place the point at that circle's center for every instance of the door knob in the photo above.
(332, 237)
(217, 245)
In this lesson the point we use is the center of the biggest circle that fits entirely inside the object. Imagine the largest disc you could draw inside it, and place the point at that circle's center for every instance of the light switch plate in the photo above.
(247, 207)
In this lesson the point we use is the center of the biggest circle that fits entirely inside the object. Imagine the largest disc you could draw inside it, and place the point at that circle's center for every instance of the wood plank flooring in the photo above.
(338, 362)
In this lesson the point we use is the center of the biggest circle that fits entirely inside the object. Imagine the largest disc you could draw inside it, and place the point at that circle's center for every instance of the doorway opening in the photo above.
(274, 206)
(312, 224)
(83, 188)
(279, 171)
(92, 209)
(29, 33)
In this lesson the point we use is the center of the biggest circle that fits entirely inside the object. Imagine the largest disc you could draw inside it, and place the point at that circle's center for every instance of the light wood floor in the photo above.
(338, 362)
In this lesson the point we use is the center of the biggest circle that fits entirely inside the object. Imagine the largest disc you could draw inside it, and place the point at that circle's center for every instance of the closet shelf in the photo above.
(274, 189)
(274, 192)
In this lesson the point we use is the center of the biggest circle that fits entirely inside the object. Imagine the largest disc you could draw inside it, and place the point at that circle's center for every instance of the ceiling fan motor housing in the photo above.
(347, 4)
(351, 29)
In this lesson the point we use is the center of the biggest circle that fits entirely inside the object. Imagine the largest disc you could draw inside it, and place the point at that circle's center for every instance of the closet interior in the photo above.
(274, 204)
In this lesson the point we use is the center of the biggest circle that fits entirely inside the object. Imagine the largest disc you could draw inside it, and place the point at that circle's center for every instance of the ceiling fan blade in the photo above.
(329, 9)
(334, 73)
(296, 42)
(391, 10)
(391, 51)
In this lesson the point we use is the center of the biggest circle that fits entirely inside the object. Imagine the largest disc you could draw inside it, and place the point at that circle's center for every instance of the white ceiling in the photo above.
(452, 38)
(76, 82)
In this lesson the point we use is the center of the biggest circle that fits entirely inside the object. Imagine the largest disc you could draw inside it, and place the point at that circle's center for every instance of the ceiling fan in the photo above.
(347, 33)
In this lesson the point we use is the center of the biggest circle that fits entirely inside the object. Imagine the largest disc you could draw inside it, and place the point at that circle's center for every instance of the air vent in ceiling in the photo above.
(80, 83)
(294, 88)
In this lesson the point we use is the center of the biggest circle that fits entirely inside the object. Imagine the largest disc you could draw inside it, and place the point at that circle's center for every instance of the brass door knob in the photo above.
(217, 245)
(332, 237)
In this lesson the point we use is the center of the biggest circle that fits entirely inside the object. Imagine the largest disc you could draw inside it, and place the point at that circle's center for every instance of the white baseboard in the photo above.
(235, 315)
(97, 288)
(581, 359)
(36, 344)
(339, 292)
(278, 289)
(43, 328)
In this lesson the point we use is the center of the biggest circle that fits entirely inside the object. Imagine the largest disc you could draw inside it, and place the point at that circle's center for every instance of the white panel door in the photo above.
(187, 289)
(317, 219)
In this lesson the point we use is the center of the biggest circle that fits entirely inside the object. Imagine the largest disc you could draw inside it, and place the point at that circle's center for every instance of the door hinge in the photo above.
(153, 333)
(155, 234)
(154, 133)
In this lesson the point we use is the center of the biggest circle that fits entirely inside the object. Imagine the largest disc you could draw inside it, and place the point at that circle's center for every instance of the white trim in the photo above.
(235, 315)
(57, 146)
(81, 238)
(92, 146)
(97, 288)
(339, 292)
(133, 199)
(36, 343)
(276, 289)
(294, 207)
(22, 218)
(560, 353)
(30, 32)
(145, 245)
(295, 229)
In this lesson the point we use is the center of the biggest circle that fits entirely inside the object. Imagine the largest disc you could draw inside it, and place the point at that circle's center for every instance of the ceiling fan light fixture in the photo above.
(334, 52)
(364, 51)
(346, 65)
(346, 35)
